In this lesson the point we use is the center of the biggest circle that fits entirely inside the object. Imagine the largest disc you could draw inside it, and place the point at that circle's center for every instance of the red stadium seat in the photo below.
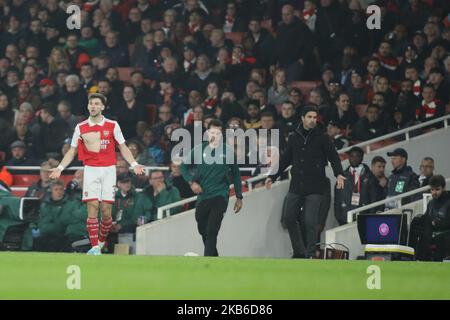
(361, 109)
(152, 110)
(305, 87)
(25, 180)
(125, 73)
(18, 193)
(381, 144)
(236, 37)
(66, 178)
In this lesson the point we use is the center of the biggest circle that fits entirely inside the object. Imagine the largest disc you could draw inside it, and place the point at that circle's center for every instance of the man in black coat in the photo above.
(359, 186)
(294, 45)
(342, 112)
(402, 179)
(433, 227)
(370, 126)
(308, 150)
(332, 28)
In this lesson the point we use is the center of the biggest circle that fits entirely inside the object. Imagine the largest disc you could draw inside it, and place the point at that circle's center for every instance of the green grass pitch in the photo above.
(45, 276)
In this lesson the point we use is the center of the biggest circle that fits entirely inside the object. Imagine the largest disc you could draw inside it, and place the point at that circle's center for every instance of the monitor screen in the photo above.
(382, 229)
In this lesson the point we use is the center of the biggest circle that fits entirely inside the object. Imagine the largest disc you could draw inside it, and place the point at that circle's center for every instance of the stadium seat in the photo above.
(447, 109)
(305, 87)
(17, 193)
(361, 109)
(381, 144)
(25, 180)
(152, 110)
(125, 73)
(236, 37)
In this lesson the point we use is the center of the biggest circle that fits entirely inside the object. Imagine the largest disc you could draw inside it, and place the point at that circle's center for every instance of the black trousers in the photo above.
(302, 225)
(421, 239)
(209, 214)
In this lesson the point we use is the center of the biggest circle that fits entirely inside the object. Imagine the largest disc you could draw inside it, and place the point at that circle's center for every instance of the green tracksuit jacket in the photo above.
(213, 176)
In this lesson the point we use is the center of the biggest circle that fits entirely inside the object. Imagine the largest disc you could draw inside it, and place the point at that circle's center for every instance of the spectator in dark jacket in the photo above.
(130, 113)
(426, 171)
(433, 227)
(75, 94)
(342, 112)
(19, 158)
(294, 44)
(308, 150)
(117, 53)
(359, 187)
(53, 131)
(402, 179)
(377, 167)
(201, 76)
(41, 189)
(287, 121)
(370, 126)
(332, 26)
(263, 42)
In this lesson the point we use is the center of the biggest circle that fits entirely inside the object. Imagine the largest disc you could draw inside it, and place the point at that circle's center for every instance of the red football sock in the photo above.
(92, 228)
(105, 225)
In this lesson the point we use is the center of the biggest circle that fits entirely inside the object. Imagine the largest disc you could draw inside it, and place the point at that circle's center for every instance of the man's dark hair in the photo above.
(428, 159)
(253, 102)
(289, 102)
(215, 123)
(98, 96)
(56, 183)
(378, 159)
(267, 114)
(130, 86)
(260, 90)
(411, 66)
(296, 90)
(136, 72)
(156, 171)
(49, 108)
(437, 181)
(428, 86)
(341, 93)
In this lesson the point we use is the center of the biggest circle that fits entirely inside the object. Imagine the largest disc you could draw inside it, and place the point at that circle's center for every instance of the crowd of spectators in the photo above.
(243, 62)
(186, 60)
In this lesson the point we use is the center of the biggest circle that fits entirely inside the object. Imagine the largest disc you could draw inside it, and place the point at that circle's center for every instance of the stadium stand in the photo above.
(389, 68)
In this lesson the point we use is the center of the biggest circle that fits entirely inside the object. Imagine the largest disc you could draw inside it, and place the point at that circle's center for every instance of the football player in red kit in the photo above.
(96, 139)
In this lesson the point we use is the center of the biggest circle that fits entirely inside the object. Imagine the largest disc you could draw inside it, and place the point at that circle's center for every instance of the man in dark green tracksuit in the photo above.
(56, 215)
(159, 193)
(211, 183)
(125, 211)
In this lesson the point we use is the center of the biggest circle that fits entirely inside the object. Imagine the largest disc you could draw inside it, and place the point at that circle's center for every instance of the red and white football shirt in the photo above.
(110, 134)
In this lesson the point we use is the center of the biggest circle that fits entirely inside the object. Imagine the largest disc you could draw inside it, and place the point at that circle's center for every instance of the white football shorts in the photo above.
(99, 183)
